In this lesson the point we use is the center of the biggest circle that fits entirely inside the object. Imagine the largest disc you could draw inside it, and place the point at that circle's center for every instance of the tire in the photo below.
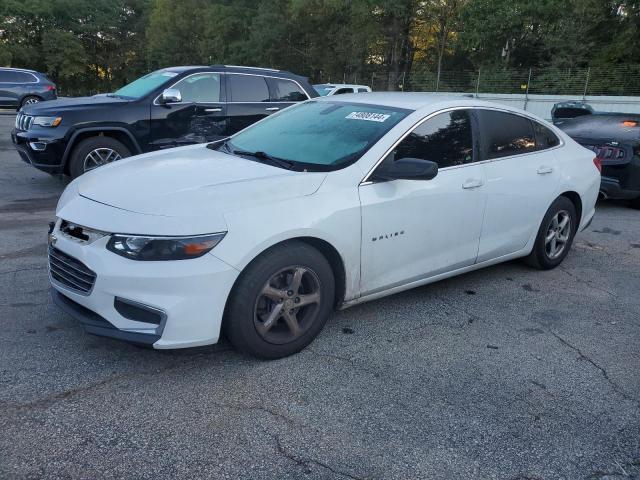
(29, 100)
(93, 152)
(259, 324)
(635, 203)
(543, 256)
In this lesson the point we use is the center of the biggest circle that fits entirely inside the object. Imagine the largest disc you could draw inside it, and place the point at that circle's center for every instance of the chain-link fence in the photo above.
(612, 80)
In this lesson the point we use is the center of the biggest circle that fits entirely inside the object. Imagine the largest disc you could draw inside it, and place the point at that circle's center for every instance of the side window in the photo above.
(200, 88)
(286, 91)
(340, 91)
(362, 90)
(505, 134)
(445, 139)
(545, 138)
(248, 88)
(9, 76)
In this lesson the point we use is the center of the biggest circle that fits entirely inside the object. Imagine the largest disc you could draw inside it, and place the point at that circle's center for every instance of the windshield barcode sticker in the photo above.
(370, 116)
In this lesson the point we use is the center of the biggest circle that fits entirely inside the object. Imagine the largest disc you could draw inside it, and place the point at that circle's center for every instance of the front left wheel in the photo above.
(280, 302)
(93, 152)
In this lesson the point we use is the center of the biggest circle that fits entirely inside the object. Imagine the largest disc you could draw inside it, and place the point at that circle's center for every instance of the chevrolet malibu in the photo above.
(327, 204)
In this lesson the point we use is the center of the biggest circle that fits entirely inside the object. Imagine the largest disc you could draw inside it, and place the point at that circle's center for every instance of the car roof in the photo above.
(18, 69)
(340, 85)
(416, 101)
(234, 68)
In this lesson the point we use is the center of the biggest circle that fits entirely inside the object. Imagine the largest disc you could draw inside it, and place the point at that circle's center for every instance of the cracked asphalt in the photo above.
(505, 373)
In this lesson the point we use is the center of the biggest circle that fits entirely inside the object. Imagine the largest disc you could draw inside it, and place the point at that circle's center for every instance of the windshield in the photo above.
(323, 90)
(145, 85)
(319, 135)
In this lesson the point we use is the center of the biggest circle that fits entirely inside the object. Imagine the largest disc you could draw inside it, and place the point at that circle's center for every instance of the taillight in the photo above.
(50, 87)
(598, 163)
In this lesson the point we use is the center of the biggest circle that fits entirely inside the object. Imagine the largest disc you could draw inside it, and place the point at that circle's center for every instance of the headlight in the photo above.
(47, 121)
(163, 248)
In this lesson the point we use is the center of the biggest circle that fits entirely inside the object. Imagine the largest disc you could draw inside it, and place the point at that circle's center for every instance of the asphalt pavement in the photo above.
(505, 373)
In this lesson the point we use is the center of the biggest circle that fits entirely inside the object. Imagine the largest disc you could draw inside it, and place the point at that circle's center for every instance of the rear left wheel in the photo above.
(555, 235)
(30, 100)
(280, 302)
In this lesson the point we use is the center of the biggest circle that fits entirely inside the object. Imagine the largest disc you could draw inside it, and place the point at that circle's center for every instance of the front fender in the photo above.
(333, 218)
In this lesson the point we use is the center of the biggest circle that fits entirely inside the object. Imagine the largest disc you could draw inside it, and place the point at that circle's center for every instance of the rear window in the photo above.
(505, 134)
(248, 88)
(323, 90)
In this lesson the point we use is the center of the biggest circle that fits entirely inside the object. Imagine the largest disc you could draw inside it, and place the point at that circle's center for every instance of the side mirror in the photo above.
(171, 95)
(408, 169)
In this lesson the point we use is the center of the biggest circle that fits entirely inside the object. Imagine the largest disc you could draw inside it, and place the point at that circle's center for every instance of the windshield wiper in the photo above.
(261, 156)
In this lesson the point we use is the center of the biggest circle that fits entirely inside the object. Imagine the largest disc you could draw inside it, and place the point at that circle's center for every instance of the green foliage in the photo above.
(97, 45)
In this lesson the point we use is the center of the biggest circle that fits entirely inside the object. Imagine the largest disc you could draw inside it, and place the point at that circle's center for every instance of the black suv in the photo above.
(19, 87)
(166, 108)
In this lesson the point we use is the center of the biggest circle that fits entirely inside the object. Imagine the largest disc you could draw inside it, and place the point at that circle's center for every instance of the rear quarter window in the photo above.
(545, 138)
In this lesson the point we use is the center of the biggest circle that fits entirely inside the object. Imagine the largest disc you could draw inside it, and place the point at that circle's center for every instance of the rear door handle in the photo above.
(472, 183)
(212, 110)
(543, 170)
(272, 109)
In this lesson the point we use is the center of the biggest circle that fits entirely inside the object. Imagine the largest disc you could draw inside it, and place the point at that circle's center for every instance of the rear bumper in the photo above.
(611, 188)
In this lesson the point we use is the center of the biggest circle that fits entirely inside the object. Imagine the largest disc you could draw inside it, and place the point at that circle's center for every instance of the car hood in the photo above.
(190, 184)
(64, 104)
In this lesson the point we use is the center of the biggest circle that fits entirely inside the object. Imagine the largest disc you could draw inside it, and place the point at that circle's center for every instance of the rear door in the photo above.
(522, 181)
(200, 117)
(249, 100)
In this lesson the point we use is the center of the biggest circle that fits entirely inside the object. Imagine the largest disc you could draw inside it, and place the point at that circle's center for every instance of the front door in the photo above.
(200, 116)
(414, 229)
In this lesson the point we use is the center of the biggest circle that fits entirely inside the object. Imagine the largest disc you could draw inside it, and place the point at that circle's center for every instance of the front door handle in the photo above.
(272, 109)
(472, 183)
(543, 170)
(211, 110)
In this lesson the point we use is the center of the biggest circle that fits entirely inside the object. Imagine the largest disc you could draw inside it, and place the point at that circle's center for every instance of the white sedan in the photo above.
(327, 204)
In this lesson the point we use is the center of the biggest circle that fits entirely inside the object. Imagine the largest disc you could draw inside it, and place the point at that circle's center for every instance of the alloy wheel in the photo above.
(287, 305)
(558, 234)
(98, 157)
(31, 101)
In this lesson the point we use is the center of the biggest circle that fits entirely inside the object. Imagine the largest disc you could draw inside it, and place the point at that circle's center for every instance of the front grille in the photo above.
(23, 122)
(70, 272)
